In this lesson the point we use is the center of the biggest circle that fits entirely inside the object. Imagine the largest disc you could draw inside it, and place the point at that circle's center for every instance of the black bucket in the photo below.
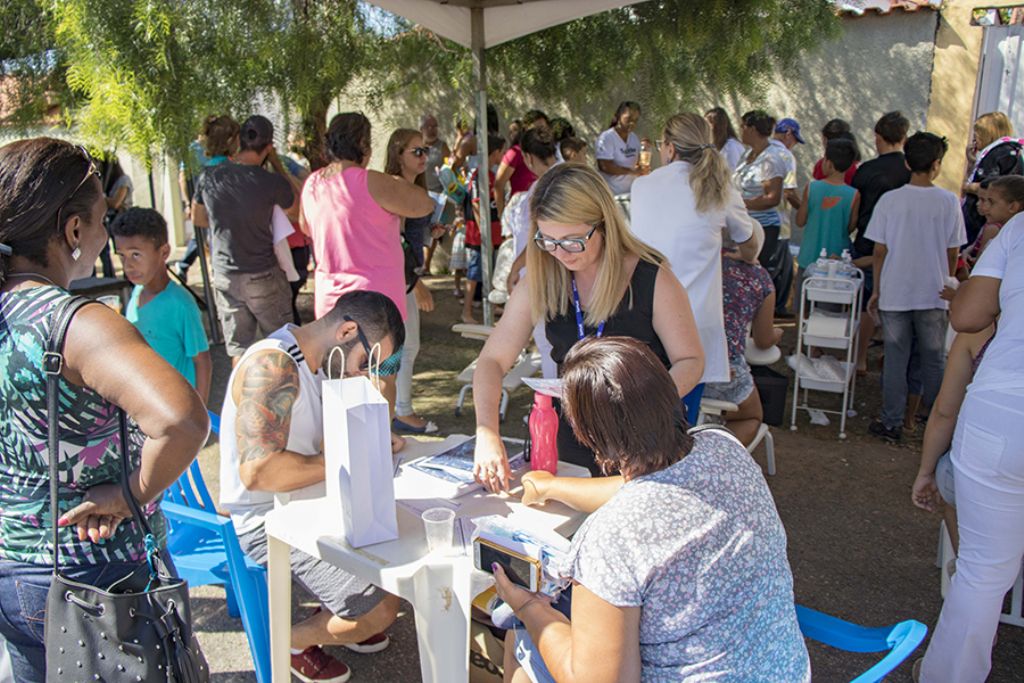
(772, 388)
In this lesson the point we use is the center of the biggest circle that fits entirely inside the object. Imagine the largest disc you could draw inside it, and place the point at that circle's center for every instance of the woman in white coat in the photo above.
(681, 209)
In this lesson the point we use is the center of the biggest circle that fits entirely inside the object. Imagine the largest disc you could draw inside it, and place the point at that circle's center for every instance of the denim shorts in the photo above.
(736, 390)
(474, 266)
(526, 651)
(944, 479)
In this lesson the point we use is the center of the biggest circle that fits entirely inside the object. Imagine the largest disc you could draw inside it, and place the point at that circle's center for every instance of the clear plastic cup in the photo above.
(439, 524)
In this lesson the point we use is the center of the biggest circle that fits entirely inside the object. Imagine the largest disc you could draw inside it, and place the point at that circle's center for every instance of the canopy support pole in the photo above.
(483, 182)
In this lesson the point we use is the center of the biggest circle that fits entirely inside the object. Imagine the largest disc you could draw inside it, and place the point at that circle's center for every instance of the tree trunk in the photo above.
(314, 132)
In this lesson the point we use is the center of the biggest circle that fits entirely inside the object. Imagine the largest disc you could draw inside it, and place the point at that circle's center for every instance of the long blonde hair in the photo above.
(690, 134)
(573, 193)
(990, 127)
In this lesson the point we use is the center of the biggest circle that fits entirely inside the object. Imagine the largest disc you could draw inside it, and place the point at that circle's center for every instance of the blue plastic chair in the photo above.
(692, 403)
(899, 640)
(205, 551)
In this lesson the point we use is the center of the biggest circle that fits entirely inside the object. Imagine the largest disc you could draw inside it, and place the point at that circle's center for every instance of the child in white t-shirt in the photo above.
(918, 230)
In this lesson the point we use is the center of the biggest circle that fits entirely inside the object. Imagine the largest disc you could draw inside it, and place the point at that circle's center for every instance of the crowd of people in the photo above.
(640, 280)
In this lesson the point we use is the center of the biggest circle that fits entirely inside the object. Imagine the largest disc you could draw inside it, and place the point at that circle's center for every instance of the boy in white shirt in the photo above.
(918, 230)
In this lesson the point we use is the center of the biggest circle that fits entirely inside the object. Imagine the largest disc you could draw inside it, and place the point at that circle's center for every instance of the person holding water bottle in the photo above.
(586, 276)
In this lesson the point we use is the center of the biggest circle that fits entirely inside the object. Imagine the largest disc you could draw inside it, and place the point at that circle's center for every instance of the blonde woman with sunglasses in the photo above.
(586, 276)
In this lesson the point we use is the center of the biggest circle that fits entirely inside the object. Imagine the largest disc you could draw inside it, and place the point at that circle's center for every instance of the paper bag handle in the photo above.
(330, 358)
(374, 351)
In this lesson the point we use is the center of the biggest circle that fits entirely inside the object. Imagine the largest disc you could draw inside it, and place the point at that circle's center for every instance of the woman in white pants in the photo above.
(988, 462)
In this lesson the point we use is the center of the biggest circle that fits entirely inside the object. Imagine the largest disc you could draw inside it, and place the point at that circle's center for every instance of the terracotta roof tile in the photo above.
(862, 7)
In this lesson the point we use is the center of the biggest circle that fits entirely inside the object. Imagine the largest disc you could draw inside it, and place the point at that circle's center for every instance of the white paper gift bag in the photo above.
(358, 462)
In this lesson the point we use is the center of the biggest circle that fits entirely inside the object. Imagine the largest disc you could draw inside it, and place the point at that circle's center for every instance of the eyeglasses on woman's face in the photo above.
(571, 245)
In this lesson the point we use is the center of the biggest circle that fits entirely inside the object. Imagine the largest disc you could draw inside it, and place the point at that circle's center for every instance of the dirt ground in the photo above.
(858, 548)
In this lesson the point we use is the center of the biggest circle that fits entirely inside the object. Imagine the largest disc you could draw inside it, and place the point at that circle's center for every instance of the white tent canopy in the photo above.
(504, 20)
(480, 24)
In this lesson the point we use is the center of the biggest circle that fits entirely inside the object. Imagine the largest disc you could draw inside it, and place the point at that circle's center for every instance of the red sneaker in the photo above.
(313, 665)
(370, 645)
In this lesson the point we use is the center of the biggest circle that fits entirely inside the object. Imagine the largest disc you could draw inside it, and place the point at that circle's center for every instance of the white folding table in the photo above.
(440, 587)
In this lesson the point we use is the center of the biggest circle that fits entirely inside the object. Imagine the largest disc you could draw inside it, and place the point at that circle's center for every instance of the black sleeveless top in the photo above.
(633, 318)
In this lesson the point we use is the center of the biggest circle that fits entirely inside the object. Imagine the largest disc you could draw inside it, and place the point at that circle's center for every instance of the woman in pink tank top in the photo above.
(353, 216)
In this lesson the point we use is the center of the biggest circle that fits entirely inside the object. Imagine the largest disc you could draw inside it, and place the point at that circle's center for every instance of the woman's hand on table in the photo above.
(535, 487)
(513, 595)
(97, 517)
(490, 462)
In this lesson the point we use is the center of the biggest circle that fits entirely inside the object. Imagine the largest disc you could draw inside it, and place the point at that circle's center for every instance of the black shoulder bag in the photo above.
(137, 628)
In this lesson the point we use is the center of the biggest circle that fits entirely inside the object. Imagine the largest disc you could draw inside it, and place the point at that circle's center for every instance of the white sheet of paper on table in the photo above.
(548, 387)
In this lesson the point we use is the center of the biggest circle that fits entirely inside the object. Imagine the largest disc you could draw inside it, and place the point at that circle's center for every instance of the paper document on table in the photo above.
(545, 386)
(450, 474)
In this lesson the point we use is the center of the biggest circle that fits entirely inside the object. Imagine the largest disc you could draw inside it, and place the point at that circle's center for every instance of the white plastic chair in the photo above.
(527, 365)
(712, 410)
(1014, 616)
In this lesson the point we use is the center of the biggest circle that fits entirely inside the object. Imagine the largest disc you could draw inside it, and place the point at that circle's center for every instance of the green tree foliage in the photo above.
(31, 68)
(670, 52)
(148, 71)
(320, 47)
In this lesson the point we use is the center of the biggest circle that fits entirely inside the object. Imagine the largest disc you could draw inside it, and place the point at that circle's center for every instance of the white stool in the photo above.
(1015, 615)
(714, 409)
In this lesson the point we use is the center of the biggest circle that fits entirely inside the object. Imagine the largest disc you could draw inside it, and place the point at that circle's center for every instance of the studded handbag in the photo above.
(137, 628)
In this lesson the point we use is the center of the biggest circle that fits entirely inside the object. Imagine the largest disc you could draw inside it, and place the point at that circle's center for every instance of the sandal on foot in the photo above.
(428, 428)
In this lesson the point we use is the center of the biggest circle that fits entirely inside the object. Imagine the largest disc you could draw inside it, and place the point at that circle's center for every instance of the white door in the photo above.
(1001, 78)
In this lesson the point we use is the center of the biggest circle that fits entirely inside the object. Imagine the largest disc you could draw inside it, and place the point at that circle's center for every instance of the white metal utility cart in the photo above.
(829, 319)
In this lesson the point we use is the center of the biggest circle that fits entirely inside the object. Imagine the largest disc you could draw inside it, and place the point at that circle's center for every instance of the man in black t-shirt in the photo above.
(236, 199)
(874, 178)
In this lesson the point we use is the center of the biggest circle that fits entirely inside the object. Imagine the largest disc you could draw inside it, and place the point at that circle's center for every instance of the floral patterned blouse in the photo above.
(90, 453)
(745, 286)
(700, 548)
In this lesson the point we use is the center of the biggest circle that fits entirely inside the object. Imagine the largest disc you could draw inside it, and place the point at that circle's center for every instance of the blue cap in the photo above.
(789, 126)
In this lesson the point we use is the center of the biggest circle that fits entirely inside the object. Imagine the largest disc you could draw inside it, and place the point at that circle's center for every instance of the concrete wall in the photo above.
(957, 56)
(877, 64)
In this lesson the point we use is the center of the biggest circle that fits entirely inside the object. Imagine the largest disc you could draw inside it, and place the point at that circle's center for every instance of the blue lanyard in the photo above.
(580, 332)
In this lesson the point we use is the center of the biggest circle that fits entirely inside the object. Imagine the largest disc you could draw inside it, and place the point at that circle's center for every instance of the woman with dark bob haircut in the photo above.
(354, 216)
(51, 231)
(680, 572)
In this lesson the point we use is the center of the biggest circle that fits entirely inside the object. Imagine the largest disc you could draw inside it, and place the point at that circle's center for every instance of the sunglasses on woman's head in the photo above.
(419, 151)
(92, 170)
(572, 245)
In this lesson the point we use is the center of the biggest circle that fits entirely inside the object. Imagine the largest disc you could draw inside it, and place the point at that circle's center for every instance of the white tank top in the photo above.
(305, 436)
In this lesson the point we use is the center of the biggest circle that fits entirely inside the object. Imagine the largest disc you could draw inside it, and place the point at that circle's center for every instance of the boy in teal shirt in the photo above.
(162, 310)
(828, 213)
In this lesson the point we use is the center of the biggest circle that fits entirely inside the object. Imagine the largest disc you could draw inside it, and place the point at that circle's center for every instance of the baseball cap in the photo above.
(257, 132)
(787, 126)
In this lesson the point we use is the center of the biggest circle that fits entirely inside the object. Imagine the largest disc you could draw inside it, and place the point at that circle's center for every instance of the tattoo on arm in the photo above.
(269, 389)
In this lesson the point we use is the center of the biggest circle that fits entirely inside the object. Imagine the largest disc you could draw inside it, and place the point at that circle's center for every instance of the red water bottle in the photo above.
(543, 434)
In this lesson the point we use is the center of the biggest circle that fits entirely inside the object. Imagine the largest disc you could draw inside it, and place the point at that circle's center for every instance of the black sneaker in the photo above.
(881, 431)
